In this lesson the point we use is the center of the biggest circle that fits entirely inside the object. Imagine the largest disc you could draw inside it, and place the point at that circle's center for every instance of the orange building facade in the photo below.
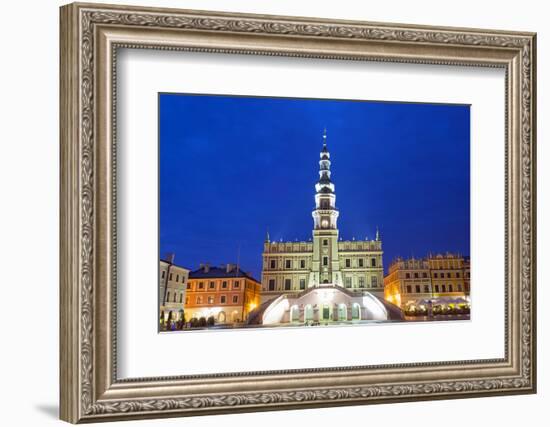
(225, 294)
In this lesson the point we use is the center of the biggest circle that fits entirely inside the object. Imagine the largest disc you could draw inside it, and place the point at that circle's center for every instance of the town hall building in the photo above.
(326, 278)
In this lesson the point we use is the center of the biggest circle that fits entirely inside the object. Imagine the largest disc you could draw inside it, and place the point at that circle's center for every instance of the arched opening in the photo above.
(235, 316)
(294, 313)
(342, 312)
(221, 317)
(326, 312)
(355, 311)
(308, 313)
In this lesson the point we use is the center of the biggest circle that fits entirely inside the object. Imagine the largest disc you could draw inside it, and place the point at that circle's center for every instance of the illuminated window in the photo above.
(199, 299)
(210, 300)
(271, 284)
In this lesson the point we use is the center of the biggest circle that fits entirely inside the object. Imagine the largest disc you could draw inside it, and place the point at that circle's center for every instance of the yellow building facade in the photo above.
(441, 277)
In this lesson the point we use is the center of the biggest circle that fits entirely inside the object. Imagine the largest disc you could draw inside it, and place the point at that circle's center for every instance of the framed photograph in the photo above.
(266, 212)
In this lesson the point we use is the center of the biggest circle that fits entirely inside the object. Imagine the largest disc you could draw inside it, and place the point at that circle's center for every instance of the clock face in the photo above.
(324, 223)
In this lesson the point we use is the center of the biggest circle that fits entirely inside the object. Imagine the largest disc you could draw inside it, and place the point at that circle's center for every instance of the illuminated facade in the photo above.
(225, 293)
(355, 265)
(172, 288)
(326, 280)
(434, 278)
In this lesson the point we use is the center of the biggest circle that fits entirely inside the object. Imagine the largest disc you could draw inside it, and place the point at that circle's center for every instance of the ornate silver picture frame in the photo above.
(91, 390)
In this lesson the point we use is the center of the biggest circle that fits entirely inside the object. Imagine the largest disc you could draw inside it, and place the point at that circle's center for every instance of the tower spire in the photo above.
(267, 235)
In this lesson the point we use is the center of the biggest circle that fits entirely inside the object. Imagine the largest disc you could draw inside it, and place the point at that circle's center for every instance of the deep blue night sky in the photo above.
(232, 167)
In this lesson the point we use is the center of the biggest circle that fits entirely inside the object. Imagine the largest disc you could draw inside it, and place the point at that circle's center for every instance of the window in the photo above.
(199, 299)
(426, 289)
(302, 284)
(407, 275)
(163, 274)
(210, 300)
(424, 275)
(348, 282)
(201, 285)
(288, 263)
(189, 286)
(459, 288)
(223, 299)
(435, 275)
(272, 264)
(302, 263)
(212, 285)
(235, 299)
(416, 275)
(373, 262)
(417, 289)
(450, 288)
(361, 282)
(224, 284)
(448, 275)
(170, 276)
(361, 262)
(177, 277)
(167, 296)
(443, 288)
(325, 242)
(409, 289)
(457, 275)
(348, 262)
(236, 284)
(186, 300)
(271, 284)
(287, 284)
(325, 260)
(437, 288)
(181, 298)
(374, 281)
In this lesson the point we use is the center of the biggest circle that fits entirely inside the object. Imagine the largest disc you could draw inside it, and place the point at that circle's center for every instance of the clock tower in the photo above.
(325, 267)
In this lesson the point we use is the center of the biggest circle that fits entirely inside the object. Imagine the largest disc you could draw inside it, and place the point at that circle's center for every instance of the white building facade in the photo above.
(326, 260)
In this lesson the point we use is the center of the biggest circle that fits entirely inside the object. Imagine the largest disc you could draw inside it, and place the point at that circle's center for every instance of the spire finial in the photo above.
(267, 235)
(325, 136)
(377, 234)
